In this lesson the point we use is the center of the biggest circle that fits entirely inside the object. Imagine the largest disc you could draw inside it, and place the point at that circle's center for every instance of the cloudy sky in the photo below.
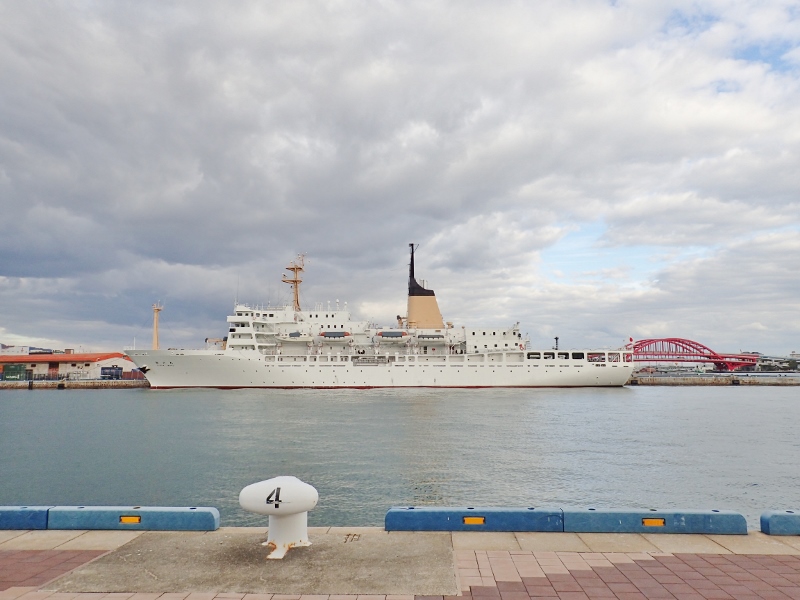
(596, 170)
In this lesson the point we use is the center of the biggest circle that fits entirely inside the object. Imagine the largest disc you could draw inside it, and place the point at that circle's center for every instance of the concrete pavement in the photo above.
(371, 564)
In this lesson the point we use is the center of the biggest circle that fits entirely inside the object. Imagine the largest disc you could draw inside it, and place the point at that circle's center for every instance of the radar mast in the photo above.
(296, 267)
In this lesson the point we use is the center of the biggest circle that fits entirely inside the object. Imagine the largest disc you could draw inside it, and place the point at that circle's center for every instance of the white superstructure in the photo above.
(288, 347)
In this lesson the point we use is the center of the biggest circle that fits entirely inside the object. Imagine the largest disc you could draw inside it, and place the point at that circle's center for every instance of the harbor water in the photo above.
(367, 450)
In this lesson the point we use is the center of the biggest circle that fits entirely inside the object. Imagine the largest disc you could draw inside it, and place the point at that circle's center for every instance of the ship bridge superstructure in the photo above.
(292, 330)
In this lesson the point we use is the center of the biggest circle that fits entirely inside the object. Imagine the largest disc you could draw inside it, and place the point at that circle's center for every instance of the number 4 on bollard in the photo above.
(275, 497)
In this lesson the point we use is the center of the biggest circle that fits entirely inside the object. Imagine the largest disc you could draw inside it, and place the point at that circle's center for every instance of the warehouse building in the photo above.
(61, 366)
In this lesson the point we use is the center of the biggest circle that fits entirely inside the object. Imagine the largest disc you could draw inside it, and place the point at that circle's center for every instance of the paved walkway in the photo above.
(482, 574)
(33, 568)
(629, 576)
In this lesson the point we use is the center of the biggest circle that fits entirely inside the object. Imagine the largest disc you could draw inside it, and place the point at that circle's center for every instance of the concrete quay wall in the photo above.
(736, 379)
(78, 384)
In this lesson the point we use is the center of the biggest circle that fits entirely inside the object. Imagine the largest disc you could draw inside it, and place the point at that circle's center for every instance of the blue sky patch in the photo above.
(688, 23)
(581, 256)
(770, 53)
(726, 86)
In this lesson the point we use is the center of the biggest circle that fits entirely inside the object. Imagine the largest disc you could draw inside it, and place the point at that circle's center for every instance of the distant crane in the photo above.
(157, 308)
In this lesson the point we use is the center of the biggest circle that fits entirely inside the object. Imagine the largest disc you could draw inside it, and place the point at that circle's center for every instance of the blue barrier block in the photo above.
(781, 522)
(596, 520)
(430, 518)
(153, 518)
(23, 517)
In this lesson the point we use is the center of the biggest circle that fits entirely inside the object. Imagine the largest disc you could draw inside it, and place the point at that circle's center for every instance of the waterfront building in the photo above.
(71, 366)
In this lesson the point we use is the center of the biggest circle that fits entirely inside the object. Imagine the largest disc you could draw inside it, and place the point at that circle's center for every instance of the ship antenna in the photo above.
(296, 267)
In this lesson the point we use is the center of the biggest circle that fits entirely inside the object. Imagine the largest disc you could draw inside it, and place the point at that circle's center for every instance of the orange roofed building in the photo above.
(58, 366)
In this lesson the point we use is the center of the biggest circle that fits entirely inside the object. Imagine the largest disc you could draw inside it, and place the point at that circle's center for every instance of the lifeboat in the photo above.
(294, 337)
(335, 336)
(393, 337)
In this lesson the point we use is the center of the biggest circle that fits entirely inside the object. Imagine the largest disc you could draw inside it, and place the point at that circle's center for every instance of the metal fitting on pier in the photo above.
(287, 501)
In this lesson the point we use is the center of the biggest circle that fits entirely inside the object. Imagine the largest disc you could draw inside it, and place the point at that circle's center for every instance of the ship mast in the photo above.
(296, 267)
(157, 308)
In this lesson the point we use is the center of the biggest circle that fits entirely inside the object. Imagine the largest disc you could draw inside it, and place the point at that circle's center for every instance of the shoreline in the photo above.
(78, 384)
(717, 379)
(649, 380)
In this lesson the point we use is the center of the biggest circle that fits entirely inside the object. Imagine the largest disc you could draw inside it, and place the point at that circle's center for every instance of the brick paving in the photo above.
(501, 575)
(33, 568)
(492, 575)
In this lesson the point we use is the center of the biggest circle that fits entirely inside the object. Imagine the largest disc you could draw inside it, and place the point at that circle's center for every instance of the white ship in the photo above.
(289, 347)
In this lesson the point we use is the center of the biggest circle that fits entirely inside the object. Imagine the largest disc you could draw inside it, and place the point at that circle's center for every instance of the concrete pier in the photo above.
(769, 379)
(353, 563)
(76, 384)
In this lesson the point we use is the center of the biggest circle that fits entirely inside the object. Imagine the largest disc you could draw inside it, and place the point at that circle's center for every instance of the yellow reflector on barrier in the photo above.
(130, 520)
(653, 522)
(474, 520)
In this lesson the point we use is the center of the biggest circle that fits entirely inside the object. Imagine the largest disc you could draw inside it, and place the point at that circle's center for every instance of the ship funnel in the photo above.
(423, 309)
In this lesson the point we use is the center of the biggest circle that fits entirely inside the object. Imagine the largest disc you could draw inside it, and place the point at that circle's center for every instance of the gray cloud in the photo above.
(152, 150)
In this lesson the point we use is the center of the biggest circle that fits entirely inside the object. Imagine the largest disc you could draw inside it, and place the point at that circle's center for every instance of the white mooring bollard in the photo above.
(287, 501)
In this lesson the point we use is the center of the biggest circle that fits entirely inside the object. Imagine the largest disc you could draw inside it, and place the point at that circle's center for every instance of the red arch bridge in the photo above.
(679, 350)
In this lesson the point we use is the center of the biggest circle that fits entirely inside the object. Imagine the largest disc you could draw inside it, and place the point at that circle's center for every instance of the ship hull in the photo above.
(168, 369)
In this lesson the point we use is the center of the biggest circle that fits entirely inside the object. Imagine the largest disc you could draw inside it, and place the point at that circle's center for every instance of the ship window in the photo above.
(73, 364)
(563, 355)
(271, 315)
(473, 333)
(534, 355)
(628, 357)
(577, 356)
(87, 364)
(494, 332)
(484, 333)
(495, 345)
(597, 357)
(613, 357)
(550, 355)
